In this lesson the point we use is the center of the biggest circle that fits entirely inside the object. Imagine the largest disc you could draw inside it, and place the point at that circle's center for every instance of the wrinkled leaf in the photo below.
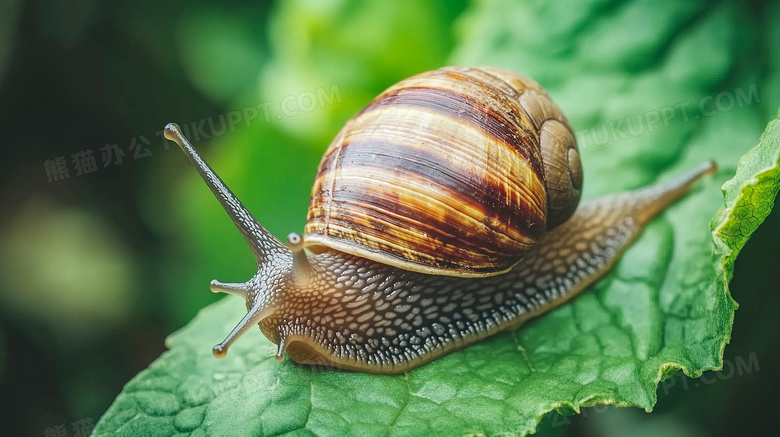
(750, 196)
(665, 306)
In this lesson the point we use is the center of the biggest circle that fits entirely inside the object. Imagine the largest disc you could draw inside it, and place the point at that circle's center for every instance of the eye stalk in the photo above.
(302, 270)
(262, 242)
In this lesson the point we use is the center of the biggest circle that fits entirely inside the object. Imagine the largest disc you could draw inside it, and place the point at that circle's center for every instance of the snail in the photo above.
(445, 211)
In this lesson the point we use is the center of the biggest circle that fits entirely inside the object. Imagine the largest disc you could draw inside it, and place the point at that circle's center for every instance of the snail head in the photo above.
(280, 266)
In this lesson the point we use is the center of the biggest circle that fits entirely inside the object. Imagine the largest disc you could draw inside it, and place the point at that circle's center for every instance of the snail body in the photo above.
(444, 212)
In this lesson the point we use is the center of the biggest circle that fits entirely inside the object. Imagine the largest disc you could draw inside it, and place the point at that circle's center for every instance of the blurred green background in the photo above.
(99, 266)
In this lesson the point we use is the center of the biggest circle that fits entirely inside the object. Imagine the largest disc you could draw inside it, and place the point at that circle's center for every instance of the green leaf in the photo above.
(666, 306)
(750, 196)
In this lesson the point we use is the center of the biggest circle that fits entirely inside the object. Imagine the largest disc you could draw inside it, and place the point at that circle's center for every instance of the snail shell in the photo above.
(460, 172)
(456, 171)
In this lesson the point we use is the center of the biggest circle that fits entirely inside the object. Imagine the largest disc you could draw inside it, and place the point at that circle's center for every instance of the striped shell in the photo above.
(456, 171)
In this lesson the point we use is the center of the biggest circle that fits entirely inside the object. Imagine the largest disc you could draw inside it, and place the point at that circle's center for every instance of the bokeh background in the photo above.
(99, 266)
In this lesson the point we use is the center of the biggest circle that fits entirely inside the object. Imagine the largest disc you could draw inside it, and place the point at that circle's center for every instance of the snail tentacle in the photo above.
(301, 268)
(240, 289)
(255, 315)
(262, 242)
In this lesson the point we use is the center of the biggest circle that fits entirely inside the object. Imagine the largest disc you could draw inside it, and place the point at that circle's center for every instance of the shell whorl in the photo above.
(457, 171)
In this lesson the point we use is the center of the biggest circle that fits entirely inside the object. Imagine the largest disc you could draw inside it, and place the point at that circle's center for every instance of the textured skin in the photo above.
(350, 312)
(456, 171)
(361, 315)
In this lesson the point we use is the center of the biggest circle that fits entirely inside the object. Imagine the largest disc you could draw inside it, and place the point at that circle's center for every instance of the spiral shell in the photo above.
(456, 171)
